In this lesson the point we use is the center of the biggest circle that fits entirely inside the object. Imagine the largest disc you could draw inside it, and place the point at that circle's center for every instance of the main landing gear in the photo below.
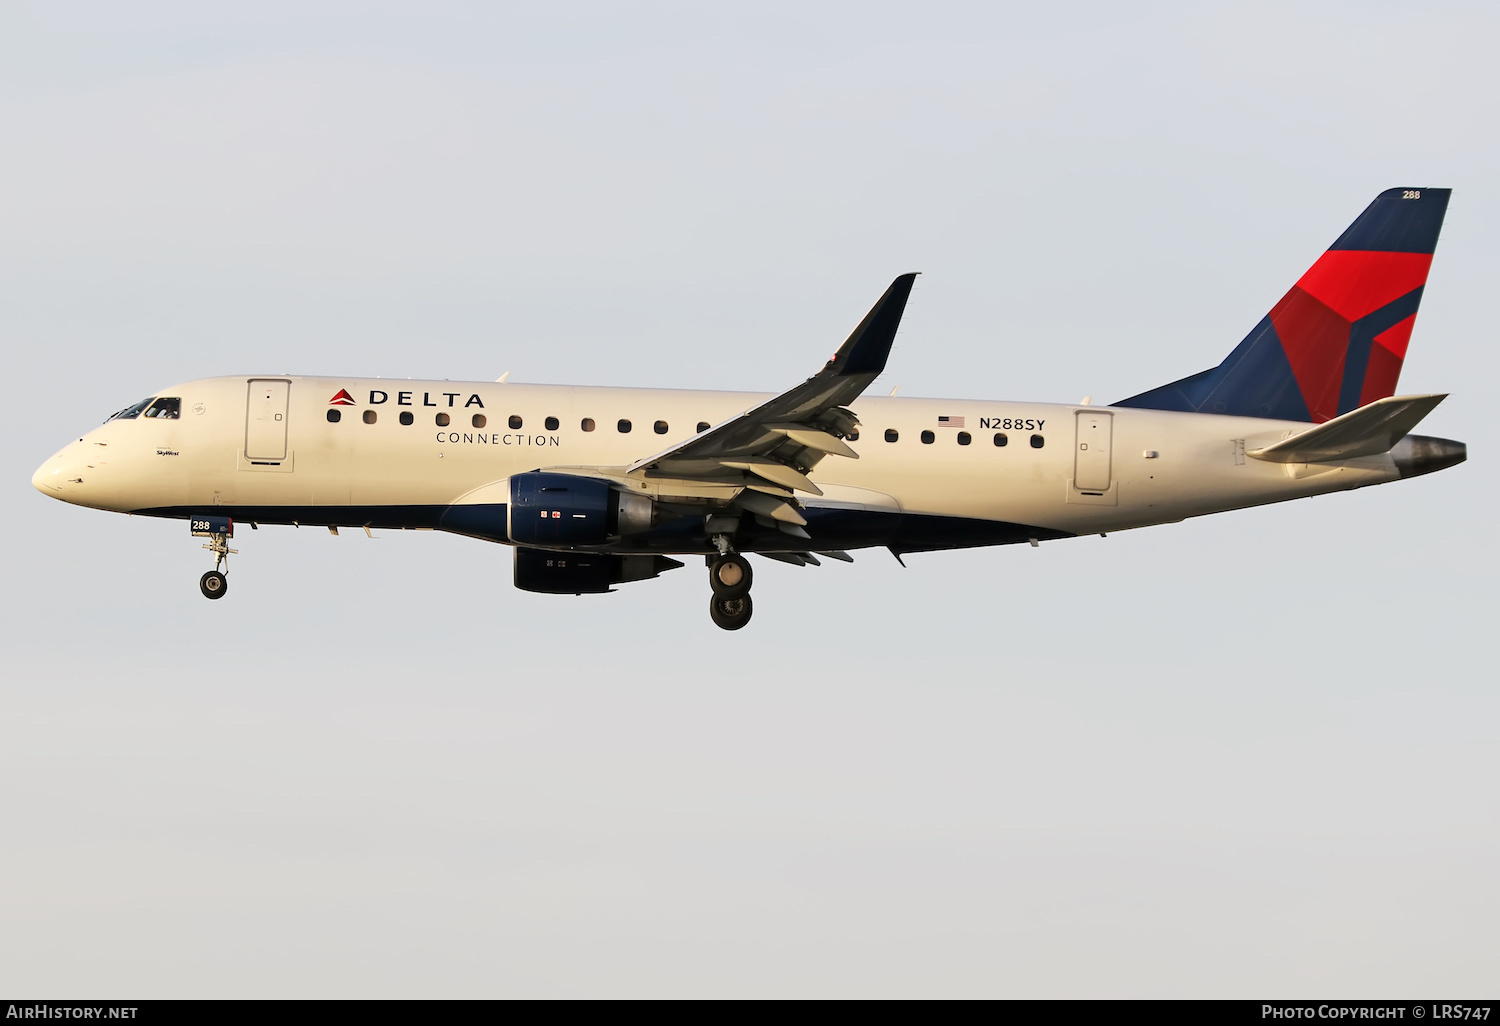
(730, 575)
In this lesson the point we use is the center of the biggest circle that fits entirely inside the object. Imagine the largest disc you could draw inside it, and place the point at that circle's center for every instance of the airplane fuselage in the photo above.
(419, 454)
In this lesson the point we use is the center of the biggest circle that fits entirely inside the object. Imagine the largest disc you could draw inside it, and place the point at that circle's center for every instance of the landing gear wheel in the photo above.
(214, 584)
(730, 576)
(731, 613)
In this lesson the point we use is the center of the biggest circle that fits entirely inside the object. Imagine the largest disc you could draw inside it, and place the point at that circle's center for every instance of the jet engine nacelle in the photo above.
(583, 573)
(567, 510)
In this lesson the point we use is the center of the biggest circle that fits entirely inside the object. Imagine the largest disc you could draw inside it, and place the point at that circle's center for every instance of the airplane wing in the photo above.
(1367, 431)
(771, 449)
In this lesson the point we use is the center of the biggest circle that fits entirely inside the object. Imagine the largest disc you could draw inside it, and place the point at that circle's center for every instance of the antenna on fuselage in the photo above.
(501, 379)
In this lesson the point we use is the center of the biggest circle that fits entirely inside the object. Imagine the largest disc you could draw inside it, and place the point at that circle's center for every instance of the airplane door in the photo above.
(265, 420)
(1091, 453)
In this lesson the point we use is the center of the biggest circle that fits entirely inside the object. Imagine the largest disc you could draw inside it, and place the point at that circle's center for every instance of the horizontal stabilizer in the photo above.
(1367, 431)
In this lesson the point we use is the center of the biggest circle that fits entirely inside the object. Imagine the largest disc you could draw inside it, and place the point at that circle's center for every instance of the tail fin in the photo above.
(1336, 341)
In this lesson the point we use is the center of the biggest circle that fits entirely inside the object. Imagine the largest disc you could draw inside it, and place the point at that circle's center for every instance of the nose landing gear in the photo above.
(730, 576)
(218, 531)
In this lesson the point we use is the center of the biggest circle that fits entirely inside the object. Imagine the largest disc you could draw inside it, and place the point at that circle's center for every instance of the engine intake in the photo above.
(567, 510)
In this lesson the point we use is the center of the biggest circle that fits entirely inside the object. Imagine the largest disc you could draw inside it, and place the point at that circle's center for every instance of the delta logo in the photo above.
(379, 397)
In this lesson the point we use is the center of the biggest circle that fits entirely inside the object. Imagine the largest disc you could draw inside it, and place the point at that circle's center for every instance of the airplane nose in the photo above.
(58, 475)
(48, 478)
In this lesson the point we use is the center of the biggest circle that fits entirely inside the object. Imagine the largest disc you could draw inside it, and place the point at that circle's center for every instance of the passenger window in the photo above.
(928, 437)
(334, 416)
(703, 426)
(480, 420)
(624, 426)
(369, 416)
(406, 418)
(515, 422)
(660, 427)
(1037, 441)
(891, 434)
(1000, 440)
(165, 409)
(132, 412)
(964, 438)
(552, 423)
(588, 424)
(443, 420)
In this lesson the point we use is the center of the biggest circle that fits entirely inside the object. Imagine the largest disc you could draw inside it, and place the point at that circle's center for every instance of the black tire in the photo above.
(213, 584)
(731, 613)
(734, 567)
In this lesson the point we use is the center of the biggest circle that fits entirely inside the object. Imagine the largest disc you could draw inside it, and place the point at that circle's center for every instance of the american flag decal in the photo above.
(953, 422)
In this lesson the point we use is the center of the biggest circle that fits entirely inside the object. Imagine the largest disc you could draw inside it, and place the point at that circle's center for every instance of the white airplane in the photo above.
(595, 487)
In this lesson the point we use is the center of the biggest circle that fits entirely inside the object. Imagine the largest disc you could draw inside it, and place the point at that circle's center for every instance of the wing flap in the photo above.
(819, 440)
(774, 472)
(770, 506)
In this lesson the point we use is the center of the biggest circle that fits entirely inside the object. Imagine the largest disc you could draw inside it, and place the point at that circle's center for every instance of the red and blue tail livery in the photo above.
(1337, 340)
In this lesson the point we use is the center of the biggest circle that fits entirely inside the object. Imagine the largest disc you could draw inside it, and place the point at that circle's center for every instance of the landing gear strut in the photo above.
(730, 575)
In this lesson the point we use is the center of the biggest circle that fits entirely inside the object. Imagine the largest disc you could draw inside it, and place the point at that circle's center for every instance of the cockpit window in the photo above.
(165, 409)
(132, 412)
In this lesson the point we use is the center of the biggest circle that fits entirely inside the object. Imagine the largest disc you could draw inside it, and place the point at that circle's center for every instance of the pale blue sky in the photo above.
(1249, 755)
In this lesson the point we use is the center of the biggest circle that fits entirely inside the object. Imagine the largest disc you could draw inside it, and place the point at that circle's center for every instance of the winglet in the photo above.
(867, 347)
